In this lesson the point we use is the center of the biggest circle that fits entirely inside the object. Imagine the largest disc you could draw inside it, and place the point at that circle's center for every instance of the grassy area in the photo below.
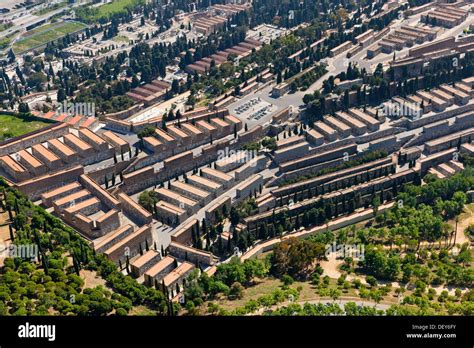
(90, 14)
(114, 7)
(5, 26)
(13, 126)
(121, 39)
(44, 34)
(6, 41)
(141, 311)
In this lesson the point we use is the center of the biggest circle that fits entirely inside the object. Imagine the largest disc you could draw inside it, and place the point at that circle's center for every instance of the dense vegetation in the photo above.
(101, 80)
(50, 283)
(412, 244)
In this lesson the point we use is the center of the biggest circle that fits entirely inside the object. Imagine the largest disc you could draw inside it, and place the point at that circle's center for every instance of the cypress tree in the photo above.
(127, 264)
(45, 263)
(16, 207)
(12, 235)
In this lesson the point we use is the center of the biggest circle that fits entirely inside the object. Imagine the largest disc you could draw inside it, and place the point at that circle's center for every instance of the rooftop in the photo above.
(177, 273)
(114, 138)
(78, 142)
(217, 173)
(32, 160)
(92, 136)
(45, 153)
(142, 260)
(160, 266)
(14, 165)
(61, 147)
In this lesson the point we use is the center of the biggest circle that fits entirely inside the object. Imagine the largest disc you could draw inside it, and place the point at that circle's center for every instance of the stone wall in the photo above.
(121, 115)
(249, 187)
(251, 135)
(83, 224)
(255, 165)
(138, 271)
(35, 187)
(108, 222)
(441, 157)
(106, 198)
(319, 158)
(130, 245)
(333, 177)
(379, 134)
(440, 116)
(183, 233)
(112, 238)
(218, 206)
(449, 141)
(134, 211)
(33, 138)
(365, 190)
(282, 116)
(191, 254)
(118, 125)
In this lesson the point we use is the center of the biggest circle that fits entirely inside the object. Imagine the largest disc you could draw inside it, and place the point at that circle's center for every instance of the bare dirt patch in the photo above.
(91, 279)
